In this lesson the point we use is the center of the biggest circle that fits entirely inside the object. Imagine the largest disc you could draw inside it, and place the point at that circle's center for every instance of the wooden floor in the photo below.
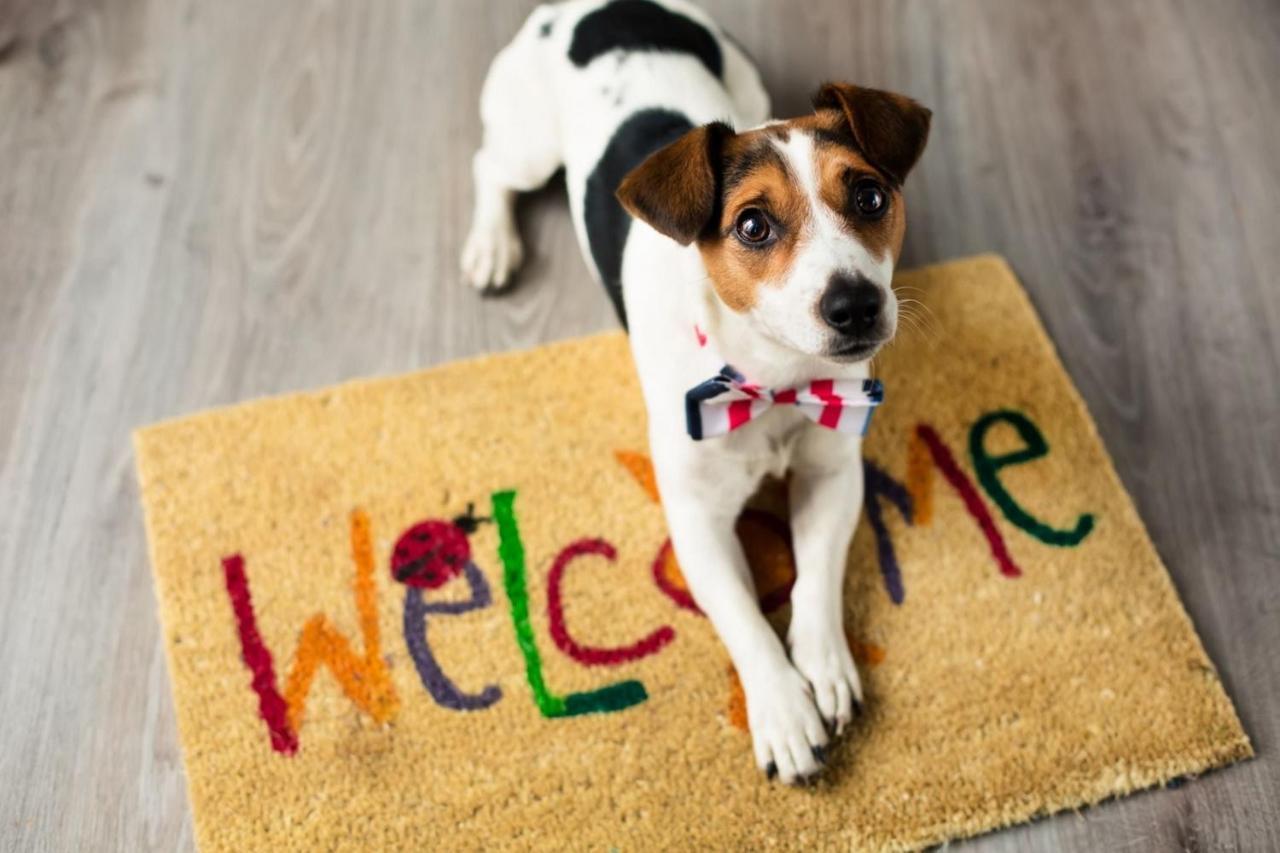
(205, 201)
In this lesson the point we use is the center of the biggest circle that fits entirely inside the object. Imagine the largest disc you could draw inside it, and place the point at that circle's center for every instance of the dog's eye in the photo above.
(870, 199)
(752, 226)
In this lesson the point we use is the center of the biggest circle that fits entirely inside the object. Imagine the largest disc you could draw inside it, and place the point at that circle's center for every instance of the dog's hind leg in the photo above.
(520, 151)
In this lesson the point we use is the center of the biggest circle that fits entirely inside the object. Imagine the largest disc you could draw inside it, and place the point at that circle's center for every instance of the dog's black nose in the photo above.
(851, 305)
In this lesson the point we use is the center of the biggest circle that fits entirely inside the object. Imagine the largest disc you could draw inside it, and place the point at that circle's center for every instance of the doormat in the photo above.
(440, 611)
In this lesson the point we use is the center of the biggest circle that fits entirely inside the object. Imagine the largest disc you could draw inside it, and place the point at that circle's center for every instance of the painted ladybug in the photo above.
(432, 552)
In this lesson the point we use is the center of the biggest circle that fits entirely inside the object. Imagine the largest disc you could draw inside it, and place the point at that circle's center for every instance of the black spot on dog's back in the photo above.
(607, 222)
(642, 25)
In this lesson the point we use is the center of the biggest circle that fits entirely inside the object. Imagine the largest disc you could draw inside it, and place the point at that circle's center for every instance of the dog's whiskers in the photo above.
(919, 317)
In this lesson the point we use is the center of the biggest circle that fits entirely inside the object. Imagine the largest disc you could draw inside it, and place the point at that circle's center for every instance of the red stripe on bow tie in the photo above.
(787, 395)
(824, 390)
(739, 413)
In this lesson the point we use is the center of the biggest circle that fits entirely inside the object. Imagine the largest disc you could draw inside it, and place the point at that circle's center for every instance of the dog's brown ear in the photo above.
(677, 189)
(889, 129)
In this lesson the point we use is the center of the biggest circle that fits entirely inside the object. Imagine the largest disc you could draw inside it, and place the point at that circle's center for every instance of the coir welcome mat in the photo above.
(440, 611)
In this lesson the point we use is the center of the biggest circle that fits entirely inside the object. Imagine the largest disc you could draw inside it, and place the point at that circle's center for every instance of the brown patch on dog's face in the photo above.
(845, 178)
(757, 183)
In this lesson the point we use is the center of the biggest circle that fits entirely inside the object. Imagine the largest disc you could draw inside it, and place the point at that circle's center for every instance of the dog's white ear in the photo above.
(889, 129)
(677, 188)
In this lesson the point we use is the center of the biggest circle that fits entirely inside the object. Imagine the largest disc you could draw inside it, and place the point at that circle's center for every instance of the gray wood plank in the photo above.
(202, 202)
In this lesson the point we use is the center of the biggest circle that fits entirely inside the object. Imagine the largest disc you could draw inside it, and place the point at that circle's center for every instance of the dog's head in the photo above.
(799, 223)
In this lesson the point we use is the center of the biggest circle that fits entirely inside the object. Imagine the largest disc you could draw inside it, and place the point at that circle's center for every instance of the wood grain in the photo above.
(203, 202)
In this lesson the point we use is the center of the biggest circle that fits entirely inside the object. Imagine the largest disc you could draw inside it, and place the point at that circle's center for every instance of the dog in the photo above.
(751, 261)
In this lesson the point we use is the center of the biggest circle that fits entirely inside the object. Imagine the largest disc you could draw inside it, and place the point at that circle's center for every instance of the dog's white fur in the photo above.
(540, 111)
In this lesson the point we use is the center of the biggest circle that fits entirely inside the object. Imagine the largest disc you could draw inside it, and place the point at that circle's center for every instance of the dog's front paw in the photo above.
(493, 251)
(786, 730)
(824, 659)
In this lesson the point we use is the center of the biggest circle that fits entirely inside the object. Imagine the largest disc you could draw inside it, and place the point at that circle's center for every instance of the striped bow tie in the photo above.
(726, 402)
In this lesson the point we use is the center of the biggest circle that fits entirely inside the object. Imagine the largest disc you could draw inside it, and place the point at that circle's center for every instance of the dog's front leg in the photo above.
(786, 729)
(826, 499)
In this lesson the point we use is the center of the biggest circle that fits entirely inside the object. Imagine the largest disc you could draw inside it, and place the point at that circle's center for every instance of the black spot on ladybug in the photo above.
(410, 569)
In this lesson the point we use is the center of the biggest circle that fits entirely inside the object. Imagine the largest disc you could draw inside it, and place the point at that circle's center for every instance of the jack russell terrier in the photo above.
(752, 262)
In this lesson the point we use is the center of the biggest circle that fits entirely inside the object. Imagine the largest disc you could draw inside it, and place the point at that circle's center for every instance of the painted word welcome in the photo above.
(435, 552)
